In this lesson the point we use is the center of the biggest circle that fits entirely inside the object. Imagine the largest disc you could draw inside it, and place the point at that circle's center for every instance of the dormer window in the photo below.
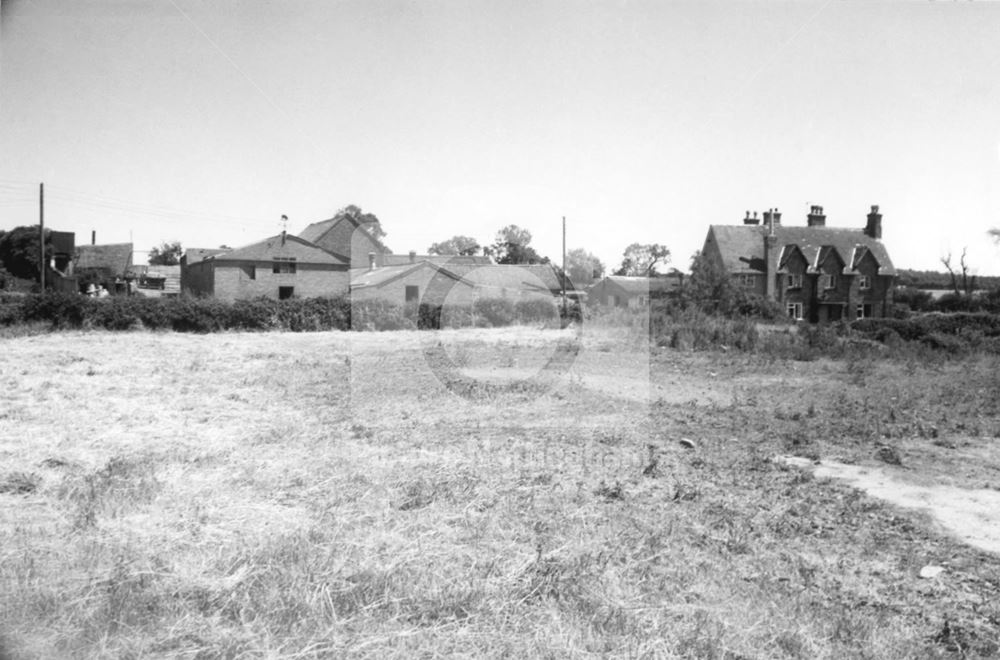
(864, 282)
(794, 281)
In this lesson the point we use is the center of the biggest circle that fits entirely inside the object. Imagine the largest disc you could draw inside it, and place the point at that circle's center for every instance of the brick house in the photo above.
(347, 238)
(280, 267)
(817, 273)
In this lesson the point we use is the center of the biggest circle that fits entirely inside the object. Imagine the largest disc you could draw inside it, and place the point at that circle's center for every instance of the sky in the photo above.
(205, 121)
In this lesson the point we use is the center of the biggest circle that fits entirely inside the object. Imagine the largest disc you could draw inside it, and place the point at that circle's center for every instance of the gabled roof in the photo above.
(639, 285)
(317, 230)
(194, 255)
(439, 259)
(378, 277)
(742, 246)
(290, 246)
(520, 277)
(114, 257)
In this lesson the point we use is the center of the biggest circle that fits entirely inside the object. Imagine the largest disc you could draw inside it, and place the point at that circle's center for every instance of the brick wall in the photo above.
(232, 280)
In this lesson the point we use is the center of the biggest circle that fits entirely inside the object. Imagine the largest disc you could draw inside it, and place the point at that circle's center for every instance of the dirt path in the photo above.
(972, 515)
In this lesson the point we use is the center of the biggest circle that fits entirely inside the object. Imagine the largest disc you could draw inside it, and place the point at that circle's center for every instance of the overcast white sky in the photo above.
(206, 120)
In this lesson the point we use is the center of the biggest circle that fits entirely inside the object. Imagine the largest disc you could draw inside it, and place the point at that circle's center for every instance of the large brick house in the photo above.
(278, 267)
(817, 273)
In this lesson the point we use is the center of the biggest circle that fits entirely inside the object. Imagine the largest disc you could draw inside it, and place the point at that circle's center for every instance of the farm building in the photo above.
(818, 273)
(420, 282)
(623, 291)
(108, 265)
(347, 238)
(280, 267)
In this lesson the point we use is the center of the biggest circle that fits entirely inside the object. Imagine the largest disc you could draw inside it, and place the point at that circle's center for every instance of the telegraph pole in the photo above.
(564, 268)
(41, 231)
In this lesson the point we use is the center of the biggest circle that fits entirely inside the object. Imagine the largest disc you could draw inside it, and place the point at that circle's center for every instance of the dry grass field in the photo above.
(447, 494)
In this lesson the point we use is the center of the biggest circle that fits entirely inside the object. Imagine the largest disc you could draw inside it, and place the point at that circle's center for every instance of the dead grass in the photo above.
(331, 494)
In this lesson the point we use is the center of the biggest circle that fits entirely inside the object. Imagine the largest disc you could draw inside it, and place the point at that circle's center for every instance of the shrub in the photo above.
(62, 310)
(536, 309)
(496, 311)
(255, 314)
(378, 314)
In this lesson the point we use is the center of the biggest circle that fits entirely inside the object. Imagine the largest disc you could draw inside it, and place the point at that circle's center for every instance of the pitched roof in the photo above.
(269, 248)
(440, 259)
(194, 255)
(115, 257)
(639, 285)
(742, 246)
(316, 230)
(377, 277)
(519, 277)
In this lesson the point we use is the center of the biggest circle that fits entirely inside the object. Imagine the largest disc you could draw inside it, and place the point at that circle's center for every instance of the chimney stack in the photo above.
(751, 221)
(371, 261)
(775, 216)
(93, 237)
(874, 226)
(282, 237)
(816, 217)
(413, 257)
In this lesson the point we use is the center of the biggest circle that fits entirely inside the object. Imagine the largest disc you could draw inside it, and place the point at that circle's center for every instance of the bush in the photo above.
(495, 311)
(536, 310)
(62, 310)
(378, 314)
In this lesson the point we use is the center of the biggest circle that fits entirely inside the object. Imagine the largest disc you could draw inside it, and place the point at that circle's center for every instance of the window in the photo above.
(748, 280)
(412, 293)
(284, 265)
(794, 311)
(864, 282)
(794, 281)
(285, 292)
(250, 271)
(864, 311)
(827, 281)
(641, 300)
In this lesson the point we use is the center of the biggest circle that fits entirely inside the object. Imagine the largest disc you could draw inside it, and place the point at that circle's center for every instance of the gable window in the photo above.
(284, 265)
(864, 282)
(794, 281)
(794, 310)
(827, 281)
(412, 293)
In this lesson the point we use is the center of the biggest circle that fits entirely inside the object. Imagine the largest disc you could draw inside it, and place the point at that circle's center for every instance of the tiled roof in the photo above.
(114, 257)
(291, 246)
(365, 277)
(742, 246)
(439, 259)
(640, 285)
(534, 277)
(316, 230)
(194, 255)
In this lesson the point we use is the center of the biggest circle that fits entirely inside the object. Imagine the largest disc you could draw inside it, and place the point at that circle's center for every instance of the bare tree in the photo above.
(968, 283)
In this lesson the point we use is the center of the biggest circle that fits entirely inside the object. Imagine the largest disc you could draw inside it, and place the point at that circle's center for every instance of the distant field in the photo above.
(488, 493)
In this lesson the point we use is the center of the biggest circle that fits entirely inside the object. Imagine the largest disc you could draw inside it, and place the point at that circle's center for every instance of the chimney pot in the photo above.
(371, 261)
(413, 257)
(93, 237)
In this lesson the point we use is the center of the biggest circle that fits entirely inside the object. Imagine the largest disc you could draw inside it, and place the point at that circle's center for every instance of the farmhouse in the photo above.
(623, 291)
(278, 267)
(818, 273)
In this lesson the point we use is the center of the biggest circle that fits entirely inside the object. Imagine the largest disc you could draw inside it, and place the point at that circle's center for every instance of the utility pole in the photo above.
(564, 268)
(41, 231)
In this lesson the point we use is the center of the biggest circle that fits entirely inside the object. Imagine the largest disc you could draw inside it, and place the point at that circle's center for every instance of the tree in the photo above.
(583, 267)
(166, 254)
(968, 284)
(19, 251)
(511, 247)
(640, 259)
(368, 220)
(461, 245)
